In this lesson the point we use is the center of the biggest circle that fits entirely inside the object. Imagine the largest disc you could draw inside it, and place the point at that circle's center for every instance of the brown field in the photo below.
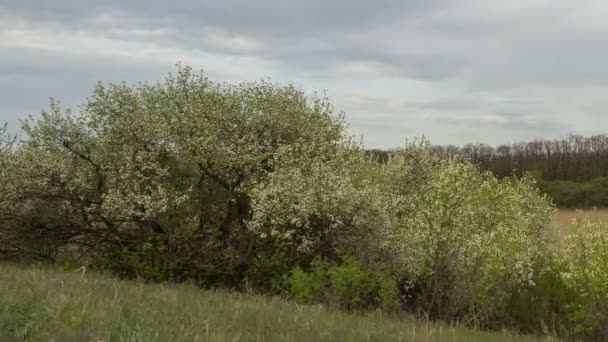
(565, 216)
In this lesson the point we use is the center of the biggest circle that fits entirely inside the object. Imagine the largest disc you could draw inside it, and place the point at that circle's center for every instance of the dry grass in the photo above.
(564, 217)
(44, 305)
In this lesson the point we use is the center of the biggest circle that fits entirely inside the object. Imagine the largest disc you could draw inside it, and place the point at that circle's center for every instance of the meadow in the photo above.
(76, 305)
(49, 305)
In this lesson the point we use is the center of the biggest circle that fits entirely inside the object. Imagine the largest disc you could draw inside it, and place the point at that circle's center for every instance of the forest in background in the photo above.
(573, 170)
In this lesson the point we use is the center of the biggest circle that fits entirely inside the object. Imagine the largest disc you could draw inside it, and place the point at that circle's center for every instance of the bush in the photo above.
(347, 286)
(540, 307)
(315, 206)
(467, 242)
(157, 180)
(569, 297)
(308, 288)
(570, 194)
(585, 255)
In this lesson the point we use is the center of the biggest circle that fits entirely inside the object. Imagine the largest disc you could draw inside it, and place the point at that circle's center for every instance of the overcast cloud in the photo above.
(455, 71)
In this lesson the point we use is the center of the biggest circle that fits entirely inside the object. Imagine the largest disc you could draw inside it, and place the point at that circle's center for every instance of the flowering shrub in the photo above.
(467, 241)
(315, 204)
(584, 254)
(569, 297)
(156, 180)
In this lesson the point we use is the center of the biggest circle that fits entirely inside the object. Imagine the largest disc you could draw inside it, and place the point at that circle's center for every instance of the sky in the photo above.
(456, 72)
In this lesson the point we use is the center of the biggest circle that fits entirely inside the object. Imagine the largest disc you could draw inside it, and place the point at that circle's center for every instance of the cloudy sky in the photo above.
(456, 71)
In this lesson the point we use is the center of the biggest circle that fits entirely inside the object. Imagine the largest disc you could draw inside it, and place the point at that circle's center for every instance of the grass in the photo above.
(565, 216)
(45, 305)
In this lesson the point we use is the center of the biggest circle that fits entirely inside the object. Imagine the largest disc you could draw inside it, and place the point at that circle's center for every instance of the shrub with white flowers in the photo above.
(583, 255)
(315, 204)
(156, 180)
(467, 240)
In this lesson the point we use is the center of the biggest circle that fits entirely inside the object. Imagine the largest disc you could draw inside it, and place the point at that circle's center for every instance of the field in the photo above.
(44, 305)
(565, 216)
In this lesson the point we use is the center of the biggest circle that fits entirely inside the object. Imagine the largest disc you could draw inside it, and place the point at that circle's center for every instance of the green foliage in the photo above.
(347, 286)
(569, 297)
(468, 241)
(160, 180)
(573, 194)
(356, 288)
(388, 293)
(314, 205)
(149, 262)
(308, 288)
(585, 255)
(541, 304)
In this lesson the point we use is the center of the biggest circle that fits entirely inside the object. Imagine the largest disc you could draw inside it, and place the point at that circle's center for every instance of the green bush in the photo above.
(585, 255)
(348, 286)
(468, 241)
(540, 307)
(159, 180)
(570, 194)
(308, 288)
(570, 296)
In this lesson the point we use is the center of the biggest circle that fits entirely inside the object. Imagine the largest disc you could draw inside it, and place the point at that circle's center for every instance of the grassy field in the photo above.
(43, 305)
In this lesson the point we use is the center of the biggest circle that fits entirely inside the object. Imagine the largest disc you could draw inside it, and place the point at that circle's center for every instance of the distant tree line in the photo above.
(574, 158)
(573, 171)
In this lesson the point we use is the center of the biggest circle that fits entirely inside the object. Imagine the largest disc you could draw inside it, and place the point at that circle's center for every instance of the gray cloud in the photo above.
(272, 17)
(310, 34)
(455, 71)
